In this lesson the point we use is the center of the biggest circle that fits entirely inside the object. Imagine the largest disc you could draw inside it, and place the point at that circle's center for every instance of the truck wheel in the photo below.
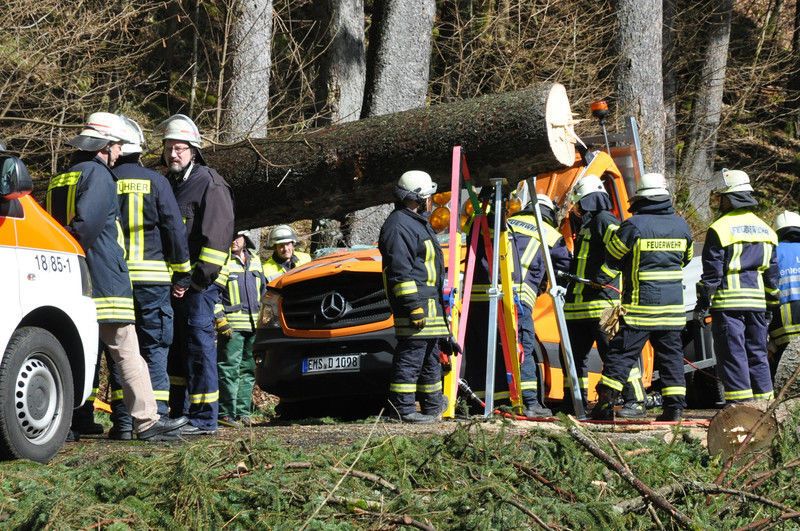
(37, 396)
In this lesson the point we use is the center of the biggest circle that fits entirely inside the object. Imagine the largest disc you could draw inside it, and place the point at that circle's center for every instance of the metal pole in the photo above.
(558, 294)
(494, 298)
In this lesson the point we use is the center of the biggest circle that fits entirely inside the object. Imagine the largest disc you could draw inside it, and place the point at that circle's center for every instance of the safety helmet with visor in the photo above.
(415, 185)
(136, 135)
(651, 185)
(281, 234)
(589, 184)
(101, 129)
(730, 181)
(786, 219)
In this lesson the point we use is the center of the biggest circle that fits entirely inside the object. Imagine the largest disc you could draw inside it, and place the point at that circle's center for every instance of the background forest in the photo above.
(713, 83)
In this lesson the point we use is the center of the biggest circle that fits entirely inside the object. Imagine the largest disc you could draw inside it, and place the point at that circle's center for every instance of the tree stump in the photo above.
(731, 426)
(788, 363)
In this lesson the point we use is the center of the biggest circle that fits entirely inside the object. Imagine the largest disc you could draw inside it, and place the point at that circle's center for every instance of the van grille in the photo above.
(360, 294)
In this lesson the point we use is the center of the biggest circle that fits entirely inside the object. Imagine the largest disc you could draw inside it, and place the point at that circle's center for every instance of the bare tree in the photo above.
(639, 74)
(668, 36)
(698, 162)
(251, 39)
(341, 85)
(398, 64)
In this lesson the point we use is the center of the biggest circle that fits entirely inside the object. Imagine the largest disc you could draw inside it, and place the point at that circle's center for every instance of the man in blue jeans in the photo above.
(206, 205)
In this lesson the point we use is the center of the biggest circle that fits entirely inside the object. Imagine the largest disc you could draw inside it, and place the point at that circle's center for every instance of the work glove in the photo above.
(223, 326)
(417, 318)
(450, 346)
(699, 315)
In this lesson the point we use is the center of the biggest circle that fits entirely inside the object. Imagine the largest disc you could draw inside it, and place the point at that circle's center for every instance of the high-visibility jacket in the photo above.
(275, 267)
(583, 301)
(650, 249)
(84, 201)
(413, 272)
(241, 297)
(740, 268)
(529, 267)
(206, 205)
(787, 322)
(154, 233)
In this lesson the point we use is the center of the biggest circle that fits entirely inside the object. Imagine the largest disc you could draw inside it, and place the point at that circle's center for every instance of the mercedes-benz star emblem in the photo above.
(333, 306)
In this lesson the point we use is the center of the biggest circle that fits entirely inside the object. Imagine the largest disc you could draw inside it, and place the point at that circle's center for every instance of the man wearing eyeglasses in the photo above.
(206, 204)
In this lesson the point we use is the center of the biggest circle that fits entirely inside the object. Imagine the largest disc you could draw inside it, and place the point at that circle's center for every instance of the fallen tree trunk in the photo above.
(330, 171)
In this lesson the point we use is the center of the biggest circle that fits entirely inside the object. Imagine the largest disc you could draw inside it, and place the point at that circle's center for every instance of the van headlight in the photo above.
(86, 279)
(268, 314)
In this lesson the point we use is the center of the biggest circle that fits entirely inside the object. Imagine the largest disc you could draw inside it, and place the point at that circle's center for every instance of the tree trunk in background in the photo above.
(341, 85)
(248, 99)
(670, 93)
(794, 76)
(697, 165)
(639, 75)
(398, 64)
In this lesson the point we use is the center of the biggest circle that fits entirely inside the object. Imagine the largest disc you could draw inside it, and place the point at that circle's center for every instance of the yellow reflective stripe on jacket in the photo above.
(212, 256)
(660, 275)
(204, 398)
(406, 287)
(743, 226)
(135, 216)
(70, 180)
(610, 382)
(141, 277)
(608, 271)
(116, 395)
(430, 263)
(184, 267)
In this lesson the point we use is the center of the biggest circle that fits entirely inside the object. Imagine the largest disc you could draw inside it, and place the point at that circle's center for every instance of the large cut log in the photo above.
(330, 171)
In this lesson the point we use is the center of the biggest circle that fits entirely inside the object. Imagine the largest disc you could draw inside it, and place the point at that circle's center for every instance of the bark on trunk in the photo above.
(328, 172)
(639, 74)
(670, 91)
(248, 99)
(398, 68)
(697, 166)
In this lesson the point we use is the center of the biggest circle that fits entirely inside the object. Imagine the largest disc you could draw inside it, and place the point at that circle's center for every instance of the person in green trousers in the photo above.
(236, 315)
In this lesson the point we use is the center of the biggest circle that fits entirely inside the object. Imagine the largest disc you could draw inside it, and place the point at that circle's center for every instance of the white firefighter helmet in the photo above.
(135, 134)
(415, 185)
(588, 185)
(101, 129)
(729, 181)
(545, 201)
(787, 219)
(651, 185)
(281, 234)
(181, 127)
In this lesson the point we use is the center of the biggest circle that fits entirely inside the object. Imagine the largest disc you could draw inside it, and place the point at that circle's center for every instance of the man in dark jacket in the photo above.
(413, 270)
(584, 303)
(236, 316)
(206, 204)
(84, 200)
(650, 249)
(157, 254)
(739, 282)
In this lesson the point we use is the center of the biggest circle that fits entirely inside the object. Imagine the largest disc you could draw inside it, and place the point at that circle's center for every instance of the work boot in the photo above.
(604, 409)
(163, 430)
(73, 436)
(247, 422)
(418, 418)
(117, 434)
(83, 420)
(191, 430)
(632, 410)
(670, 414)
(437, 412)
(537, 410)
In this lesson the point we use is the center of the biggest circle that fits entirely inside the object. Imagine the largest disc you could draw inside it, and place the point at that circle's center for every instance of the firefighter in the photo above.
(528, 274)
(84, 200)
(584, 304)
(785, 324)
(282, 241)
(236, 316)
(413, 271)
(156, 253)
(740, 277)
(559, 252)
(650, 249)
(206, 205)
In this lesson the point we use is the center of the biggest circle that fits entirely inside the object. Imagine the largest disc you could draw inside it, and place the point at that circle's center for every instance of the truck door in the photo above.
(10, 312)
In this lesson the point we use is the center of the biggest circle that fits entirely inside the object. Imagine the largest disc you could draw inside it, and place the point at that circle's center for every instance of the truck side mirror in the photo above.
(15, 181)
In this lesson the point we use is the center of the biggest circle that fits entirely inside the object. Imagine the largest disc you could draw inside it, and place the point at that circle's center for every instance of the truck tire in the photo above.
(36, 396)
